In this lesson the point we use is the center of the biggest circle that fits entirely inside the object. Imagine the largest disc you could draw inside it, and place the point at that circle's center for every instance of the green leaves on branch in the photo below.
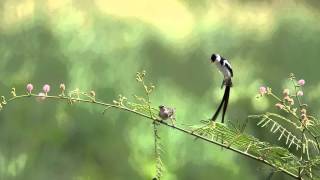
(296, 130)
(297, 127)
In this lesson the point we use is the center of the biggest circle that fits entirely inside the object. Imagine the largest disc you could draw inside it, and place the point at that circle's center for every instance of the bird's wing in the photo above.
(228, 66)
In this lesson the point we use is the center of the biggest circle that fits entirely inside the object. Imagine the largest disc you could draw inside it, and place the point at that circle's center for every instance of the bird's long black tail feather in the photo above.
(226, 93)
(226, 100)
(215, 115)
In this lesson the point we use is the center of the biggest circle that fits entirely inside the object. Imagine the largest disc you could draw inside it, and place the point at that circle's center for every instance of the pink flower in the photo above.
(263, 90)
(300, 93)
(301, 82)
(41, 97)
(29, 88)
(279, 105)
(46, 88)
(286, 92)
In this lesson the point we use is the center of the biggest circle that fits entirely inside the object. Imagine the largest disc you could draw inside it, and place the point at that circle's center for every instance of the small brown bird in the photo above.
(167, 113)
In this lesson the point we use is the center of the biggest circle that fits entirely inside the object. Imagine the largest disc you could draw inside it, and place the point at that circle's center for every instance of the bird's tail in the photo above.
(224, 101)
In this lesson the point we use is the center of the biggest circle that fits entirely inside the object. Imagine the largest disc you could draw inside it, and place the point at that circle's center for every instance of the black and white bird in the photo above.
(225, 68)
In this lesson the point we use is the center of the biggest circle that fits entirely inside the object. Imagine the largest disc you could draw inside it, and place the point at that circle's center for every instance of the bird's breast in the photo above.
(223, 70)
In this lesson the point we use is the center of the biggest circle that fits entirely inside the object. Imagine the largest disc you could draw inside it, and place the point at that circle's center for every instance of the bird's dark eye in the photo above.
(213, 57)
(161, 106)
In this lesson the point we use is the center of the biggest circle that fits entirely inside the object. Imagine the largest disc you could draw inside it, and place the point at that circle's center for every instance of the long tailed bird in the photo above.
(225, 68)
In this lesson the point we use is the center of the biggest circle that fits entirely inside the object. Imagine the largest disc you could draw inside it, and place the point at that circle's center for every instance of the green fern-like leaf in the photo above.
(247, 144)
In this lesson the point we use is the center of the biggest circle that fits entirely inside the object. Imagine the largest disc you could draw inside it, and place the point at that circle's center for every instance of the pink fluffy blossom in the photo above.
(29, 88)
(263, 90)
(301, 82)
(46, 88)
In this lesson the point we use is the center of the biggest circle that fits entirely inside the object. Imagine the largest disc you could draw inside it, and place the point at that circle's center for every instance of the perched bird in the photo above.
(225, 68)
(167, 113)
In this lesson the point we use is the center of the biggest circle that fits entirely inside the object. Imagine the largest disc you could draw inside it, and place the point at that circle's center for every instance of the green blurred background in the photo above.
(101, 44)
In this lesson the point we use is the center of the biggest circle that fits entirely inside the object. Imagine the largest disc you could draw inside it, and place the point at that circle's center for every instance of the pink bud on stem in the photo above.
(29, 88)
(301, 82)
(46, 89)
(262, 90)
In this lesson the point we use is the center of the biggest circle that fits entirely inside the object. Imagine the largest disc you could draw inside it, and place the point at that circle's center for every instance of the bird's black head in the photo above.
(214, 57)
(161, 106)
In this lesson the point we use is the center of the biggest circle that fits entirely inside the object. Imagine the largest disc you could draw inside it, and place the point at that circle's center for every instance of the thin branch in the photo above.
(186, 131)
(303, 136)
(299, 120)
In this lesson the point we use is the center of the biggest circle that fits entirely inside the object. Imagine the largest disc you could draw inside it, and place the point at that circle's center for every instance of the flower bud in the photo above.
(62, 87)
(46, 88)
(29, 88)
(289, 100)
(92, 93)
(286, 92)
(305, 121)
(263, 90)
(300, 93)
(303, 111)
(301, 82)
(279, 105)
